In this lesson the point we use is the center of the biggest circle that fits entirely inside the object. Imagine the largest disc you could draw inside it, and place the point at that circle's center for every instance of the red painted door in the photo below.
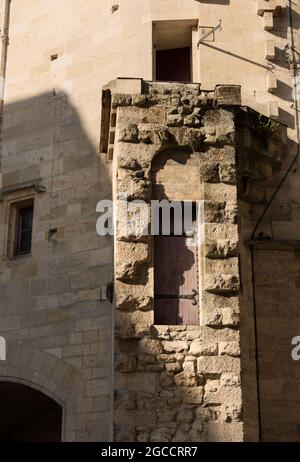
(176, 281)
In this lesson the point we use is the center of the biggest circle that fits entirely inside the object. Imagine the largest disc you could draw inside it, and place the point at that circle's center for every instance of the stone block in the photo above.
(222, 283)
(270, 50)
(193, 395)
(202, 348)
(268, 20)
(175, 346)
(129, 134)
(175, 120)
(222, 248)
(210, 173)
(228, 173)
(216, 365)
(230, 349)
(228, 95)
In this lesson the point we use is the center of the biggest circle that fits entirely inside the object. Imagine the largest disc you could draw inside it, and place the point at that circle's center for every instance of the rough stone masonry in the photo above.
(182, 383)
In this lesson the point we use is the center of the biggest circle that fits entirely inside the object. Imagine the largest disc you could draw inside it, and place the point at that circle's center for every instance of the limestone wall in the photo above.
(178, 383)
(60, 55)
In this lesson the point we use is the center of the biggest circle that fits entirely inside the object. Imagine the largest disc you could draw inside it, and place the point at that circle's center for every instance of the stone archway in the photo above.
(27, 415)
(44, 374)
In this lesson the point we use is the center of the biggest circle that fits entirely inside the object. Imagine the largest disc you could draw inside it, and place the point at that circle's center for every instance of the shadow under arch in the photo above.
(28, 415)
(46, 374)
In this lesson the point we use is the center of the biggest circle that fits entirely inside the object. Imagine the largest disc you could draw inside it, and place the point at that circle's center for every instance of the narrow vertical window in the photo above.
(24, 229)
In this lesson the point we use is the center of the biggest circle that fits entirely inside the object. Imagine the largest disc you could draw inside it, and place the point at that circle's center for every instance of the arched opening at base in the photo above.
(27, 415)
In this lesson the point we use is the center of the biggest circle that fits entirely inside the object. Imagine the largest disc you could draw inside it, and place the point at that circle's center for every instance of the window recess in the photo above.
(174, 50)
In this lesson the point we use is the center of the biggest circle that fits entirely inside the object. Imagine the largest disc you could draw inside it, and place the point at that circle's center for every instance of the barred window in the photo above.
(24, 229)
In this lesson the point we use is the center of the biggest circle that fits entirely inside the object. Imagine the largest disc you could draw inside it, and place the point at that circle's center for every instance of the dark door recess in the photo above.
(174, 65)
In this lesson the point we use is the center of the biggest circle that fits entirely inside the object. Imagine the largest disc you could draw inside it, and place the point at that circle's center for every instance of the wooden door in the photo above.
(176, 281)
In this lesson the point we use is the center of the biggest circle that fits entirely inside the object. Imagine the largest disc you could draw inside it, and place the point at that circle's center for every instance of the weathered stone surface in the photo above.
(143, 437)
(131, 257)
(185, 416)
(150, 346)
(141, 101)
(128, 302)
(219, 126)
(146, 133)
(193, 395)
(125, 399)
(119, 100)
(230, 380)
(162, 136)
(174, 367)
(201, 348)
(210, 172)
(191, 121)
(216, 365)
(187, 364)
(126, 363)
(124, 435)
(173, 110)
(222, 283)
(214, 212)
(230, 317)
(129, 134)
(228, 95)
(222, 248)
(230, 349)
(233, 412)
(134, 184)
(194, 138)
(215, 395)
(228, 173)
(213, 317)
(175, 347)
(175, 120)
(186, 379)
(231, 213)
(226, 317)
(125, 331)
(184, 110)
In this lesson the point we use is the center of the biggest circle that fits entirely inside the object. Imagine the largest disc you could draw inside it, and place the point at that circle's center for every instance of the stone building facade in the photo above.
(70, 139)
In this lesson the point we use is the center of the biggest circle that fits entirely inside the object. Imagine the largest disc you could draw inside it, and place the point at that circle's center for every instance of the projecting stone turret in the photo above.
(179, 379)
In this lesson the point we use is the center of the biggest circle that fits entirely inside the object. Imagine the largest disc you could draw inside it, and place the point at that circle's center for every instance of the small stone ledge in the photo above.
(222, 284)
(222, 248)
(36, 185)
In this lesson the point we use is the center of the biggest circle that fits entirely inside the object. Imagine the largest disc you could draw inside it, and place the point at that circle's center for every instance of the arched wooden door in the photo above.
(27, 415)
